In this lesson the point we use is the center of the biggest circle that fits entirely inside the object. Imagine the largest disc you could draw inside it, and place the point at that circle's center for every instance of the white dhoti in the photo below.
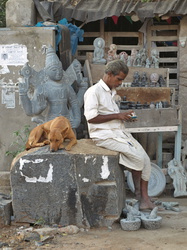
(132, 154)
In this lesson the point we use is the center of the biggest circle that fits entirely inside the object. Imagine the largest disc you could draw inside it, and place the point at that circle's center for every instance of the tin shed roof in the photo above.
(92, 10)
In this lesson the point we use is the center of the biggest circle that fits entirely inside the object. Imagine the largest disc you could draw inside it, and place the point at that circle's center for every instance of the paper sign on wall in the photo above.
(13, 54)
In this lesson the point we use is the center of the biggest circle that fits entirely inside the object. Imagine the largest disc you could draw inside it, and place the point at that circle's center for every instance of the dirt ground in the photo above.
(171, 236)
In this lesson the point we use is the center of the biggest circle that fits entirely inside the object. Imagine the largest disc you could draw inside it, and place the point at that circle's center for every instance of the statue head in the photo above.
(53, 65)
(77, 66)
(99, 42)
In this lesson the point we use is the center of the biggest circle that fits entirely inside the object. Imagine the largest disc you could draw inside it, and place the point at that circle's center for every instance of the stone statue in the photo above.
(177, 173)
(47, 94)
(123, 56)
(148, 63)
(99, 45)
(154, 59)
(154, 77)
(136, 79)
(129, 61)
(184, 154)
(137, 60)
(133, 56)
(112, 53)
(81, 82)
(161, 81)
(144, 80)
(143, 57)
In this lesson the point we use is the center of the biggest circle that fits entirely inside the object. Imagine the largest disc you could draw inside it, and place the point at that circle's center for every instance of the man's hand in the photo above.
(127, 116)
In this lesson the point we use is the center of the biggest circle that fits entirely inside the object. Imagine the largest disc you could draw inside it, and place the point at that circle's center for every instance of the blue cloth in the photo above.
(76, 34)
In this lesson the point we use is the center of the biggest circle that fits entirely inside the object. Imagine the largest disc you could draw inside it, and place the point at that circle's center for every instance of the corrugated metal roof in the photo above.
(92, 10)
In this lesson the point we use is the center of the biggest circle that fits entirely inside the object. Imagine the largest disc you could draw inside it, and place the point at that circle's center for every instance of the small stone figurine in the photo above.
(112, 53)
(177, 173)
(154, 79)
(99, 45)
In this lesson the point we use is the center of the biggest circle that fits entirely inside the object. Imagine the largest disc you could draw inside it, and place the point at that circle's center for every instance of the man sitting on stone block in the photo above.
(107, 129)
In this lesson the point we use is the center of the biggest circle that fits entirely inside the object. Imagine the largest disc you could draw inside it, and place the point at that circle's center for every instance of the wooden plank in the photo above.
(168, 60)
(153, 129)
(85, 47)
(128, 47)
(167, 49)
(91, 34)
(164, 27)
(163, 38)
(102, 28)
(97, 71)
(155, 117)
(149, 34)
(123, 34)
(145, 95)
(87, 72)
(173, 71)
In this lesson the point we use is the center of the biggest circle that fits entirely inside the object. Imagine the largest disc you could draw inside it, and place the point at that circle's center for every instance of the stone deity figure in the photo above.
(137, 60)
(123, 56)
(144, 80)
(45, 95)
(99, 45)
(81, 82)
(133, 56)
(143, 55)
(112, 53)
(177, 173)
(148, 63)
(154, 59)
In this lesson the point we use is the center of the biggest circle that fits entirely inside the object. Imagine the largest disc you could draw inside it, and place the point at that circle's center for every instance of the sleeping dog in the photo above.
(54, 133)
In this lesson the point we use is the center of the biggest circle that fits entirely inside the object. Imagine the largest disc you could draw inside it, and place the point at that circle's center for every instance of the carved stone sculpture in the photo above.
(154, 59)
(148, 63)
(99, 45)
(144, 79)
(177, 173)
(154, 77)
(48, 93)
(112, 53)
(123, 56)
(143, 57)
(133, 56)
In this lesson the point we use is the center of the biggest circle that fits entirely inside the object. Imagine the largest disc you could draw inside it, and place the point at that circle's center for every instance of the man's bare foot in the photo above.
(146, 204)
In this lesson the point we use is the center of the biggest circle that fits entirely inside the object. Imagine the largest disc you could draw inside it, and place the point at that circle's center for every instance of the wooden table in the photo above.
(159, 121)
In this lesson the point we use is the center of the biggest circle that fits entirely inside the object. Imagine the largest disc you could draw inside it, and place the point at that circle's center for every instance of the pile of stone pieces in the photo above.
(135, 218)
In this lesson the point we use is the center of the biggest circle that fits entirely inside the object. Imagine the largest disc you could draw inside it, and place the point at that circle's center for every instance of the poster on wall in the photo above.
(8, 97)
(13, 54)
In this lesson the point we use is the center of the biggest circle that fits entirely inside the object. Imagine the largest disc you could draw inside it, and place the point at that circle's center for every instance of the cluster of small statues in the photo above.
(135, 59)
(143, 81)
(123, 104)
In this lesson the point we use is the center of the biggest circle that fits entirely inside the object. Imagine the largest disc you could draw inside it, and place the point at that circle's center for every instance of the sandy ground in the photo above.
(171, 236)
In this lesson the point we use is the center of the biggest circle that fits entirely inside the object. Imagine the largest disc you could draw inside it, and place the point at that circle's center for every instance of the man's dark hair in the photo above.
(115, 67)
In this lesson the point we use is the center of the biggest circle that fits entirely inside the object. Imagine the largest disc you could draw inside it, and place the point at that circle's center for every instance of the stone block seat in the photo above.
(83, 187)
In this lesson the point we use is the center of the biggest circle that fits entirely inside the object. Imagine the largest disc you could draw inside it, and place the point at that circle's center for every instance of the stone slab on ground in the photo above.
(5, 182)
(5, 212)
(84, 186)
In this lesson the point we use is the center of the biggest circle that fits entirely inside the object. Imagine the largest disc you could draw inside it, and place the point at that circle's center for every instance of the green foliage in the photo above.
(144, 1)
(40, 222)
(3, 13)
(18, 144)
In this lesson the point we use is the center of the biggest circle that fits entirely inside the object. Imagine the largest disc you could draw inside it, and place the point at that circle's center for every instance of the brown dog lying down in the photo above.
(53, 132)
